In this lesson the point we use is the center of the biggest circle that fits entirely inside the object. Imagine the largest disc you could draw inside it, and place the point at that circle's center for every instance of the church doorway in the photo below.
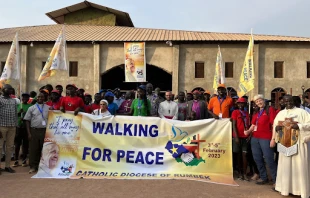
(275, 95)
(115, 78)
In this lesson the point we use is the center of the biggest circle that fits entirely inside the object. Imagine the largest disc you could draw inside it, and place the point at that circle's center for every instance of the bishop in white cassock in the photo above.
(294, 171)
(168, 109)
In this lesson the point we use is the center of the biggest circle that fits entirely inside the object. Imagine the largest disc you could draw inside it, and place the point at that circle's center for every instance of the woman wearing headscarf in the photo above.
(103, 111)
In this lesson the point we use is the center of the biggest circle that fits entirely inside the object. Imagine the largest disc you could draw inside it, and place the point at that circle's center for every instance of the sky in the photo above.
(272, 17)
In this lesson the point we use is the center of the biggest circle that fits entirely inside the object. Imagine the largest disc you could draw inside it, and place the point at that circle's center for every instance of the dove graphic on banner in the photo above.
(11, 68)
(57, 59)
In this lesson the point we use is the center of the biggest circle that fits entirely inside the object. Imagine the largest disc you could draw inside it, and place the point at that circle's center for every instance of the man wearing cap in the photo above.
(54, 103)
(21, 137)
(45, 93)
(71, 102)
(240, 122)
(36, 121)
(168, 109)
(198, 106)
(112, 107)
(118, 99)
(60, 89)
(8, 121)
(219, 106)
(207, 95)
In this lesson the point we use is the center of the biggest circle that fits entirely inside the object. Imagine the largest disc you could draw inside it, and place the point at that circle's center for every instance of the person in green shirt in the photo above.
(141, 106)
(21, 137)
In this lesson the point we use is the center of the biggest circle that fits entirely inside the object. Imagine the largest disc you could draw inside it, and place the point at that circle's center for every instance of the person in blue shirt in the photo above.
(112, 107)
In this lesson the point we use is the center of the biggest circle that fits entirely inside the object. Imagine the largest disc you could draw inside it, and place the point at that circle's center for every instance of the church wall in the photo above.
(295, 57)
(82, 53)
(90, 16)
(191, 53)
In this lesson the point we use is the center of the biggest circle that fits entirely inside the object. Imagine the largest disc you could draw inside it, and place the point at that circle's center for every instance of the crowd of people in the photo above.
(23, 122)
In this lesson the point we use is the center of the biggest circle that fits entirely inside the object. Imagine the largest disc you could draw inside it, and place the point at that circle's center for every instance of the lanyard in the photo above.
(244, 118)
(259, 115)
(41, 110)
(139, 107)
(221, 102)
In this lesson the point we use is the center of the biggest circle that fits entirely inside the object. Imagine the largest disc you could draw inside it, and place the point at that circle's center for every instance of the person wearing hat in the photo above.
(103, 111)
(198, 106)
(36, 122)
(240, 122)
(21, 137)
(112, 107)
(8, 122)
(141, 106)
(261, 130)
(219, 106)
(60, 89)
(45, 93)
(72, 86)
(118, 99)
(207, 96)
(71, 102)
(54, 103)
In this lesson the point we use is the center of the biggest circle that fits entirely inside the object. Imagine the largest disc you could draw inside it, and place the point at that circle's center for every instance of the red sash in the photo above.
(168, 117)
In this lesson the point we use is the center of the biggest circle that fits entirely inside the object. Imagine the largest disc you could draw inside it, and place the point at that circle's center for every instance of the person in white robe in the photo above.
(294, 171)
(168, 109)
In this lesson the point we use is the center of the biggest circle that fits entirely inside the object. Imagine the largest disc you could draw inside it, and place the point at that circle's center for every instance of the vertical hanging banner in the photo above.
(135, 65)
(246, 83)
(125, 147)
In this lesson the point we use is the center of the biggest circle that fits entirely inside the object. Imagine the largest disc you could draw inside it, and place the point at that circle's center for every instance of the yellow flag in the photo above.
(246, 83)
(219, 75)
(57, 59)
(11, 68)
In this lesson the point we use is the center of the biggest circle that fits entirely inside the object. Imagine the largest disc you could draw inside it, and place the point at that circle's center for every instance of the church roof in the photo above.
(122, 34)
(122, 18)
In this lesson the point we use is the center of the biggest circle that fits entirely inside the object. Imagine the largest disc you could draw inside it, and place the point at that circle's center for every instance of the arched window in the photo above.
(275, 95)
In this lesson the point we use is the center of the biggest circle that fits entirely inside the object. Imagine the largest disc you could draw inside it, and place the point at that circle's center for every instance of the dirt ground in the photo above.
(21, 185)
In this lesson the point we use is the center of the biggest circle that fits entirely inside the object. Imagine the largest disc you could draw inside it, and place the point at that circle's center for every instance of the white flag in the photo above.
(11, 69)
(57, 59)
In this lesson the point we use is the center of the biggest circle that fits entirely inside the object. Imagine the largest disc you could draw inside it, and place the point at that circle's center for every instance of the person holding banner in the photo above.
(103, 111)
(262, 140)
(198, 106)
(182, 105)
(141, 106)
(36, 121)
(71, 102)
(54, 103)
(168, 109)
(112, 107)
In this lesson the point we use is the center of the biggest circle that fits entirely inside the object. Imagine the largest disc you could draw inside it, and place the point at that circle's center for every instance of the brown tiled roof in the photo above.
(121, 34)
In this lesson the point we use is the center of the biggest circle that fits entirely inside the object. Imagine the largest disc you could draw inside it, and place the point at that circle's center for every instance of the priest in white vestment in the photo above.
(168, 109)
(294, 171)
